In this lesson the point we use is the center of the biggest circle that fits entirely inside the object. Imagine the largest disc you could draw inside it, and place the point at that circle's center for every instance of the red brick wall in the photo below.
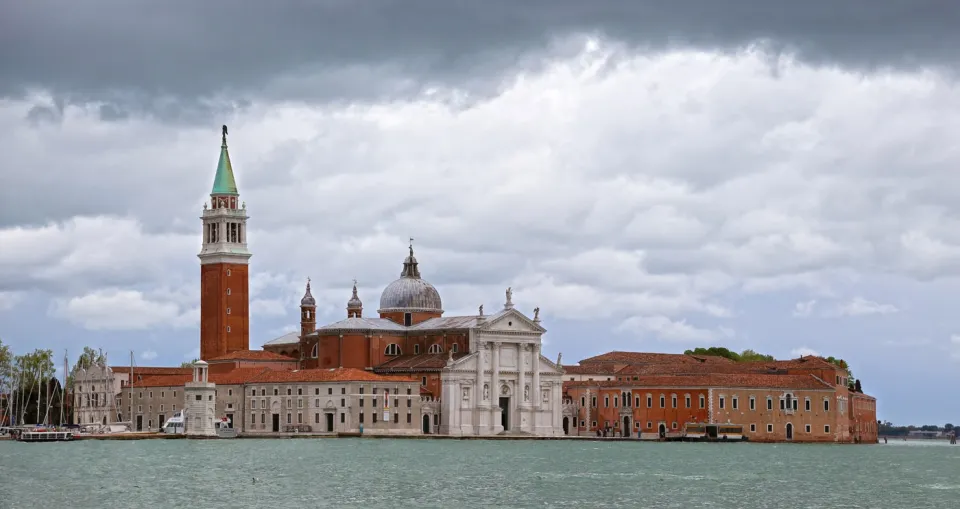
(214, 302)
(414, 317)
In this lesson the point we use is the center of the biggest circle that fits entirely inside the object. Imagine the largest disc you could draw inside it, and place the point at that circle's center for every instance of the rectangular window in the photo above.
(289, 418)
(702, 405)
(361, 402)
(396, 418)
(329, 391)
(343, 402)
(316, 392)
(289, 391)
(649, 401)
(826, 428)
(806, 428)
(686, 401)
(409, 418)
(826, 405)
(753, 403)
(637, 402)
(409, 402)
(423, 381)
(343, 417)
(374, 417)
(721, 401)
(299, 392)
(594, 402)
(663, 402)
(736, 402)
(606, 402)
(253, 418)
(769, 403)
(316, 403)
(316, 418)
(361, 417)
(769, 428)
(299, 418)
(673, 401)
(753, 428)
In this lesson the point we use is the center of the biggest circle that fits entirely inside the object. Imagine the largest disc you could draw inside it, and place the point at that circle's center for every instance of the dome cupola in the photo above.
(354, 305)
(410, 293)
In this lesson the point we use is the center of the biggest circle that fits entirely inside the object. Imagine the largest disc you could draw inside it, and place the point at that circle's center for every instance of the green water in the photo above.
(371, 473)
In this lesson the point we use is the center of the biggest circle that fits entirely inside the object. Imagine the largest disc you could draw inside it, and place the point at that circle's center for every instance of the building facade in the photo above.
(479, 374)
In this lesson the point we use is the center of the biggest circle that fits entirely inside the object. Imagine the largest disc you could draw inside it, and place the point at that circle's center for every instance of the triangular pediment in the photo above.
(511, 320)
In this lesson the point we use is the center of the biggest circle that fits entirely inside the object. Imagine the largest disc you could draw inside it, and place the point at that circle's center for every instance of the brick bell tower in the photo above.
(224, 258)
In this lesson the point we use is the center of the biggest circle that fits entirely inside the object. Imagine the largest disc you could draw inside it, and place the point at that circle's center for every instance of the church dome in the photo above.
(410, 293)
(308, 299)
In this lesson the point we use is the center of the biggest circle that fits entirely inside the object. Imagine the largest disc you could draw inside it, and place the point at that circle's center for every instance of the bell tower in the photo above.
(224, 258)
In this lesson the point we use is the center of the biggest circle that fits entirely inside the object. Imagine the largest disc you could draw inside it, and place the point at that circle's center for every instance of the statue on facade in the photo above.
(481, 309)
(509, 303)
(559, 357)
(486, 391)
(224, 134)
(536, 314)
(526, 393)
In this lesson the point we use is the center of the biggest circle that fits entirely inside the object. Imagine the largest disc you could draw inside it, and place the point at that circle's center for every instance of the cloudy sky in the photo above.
(655, 176)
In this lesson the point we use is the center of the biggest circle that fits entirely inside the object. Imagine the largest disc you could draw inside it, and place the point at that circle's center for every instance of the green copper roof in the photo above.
(224, 182)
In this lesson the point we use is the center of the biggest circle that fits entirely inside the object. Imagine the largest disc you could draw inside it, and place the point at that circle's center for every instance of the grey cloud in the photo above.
(128, 52)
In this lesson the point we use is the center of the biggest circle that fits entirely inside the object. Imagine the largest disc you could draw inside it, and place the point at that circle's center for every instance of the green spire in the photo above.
(224, 182)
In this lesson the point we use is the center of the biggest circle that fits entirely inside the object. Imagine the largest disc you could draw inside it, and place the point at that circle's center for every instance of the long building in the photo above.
(652, 395)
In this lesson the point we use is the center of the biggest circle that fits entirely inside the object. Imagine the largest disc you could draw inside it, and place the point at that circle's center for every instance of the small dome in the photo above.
(354, 302)
(308, 299)
(410, 293)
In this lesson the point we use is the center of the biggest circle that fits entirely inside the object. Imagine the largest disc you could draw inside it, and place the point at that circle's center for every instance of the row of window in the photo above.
(343, 403)
(394, 349)
(786, 403)
(316, 391)
(753, 427)
(316, 418)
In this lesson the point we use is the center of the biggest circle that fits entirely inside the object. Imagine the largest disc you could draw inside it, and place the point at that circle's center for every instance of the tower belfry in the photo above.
(224, 260)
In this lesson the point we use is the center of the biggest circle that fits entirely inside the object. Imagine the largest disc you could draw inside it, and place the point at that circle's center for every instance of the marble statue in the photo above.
(536, 314)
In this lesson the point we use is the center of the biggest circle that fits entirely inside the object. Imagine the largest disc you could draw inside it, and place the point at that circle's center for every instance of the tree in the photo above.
(87, 358)
(188, 364)
(749, 355)
(719, 351)
(856, 386)
(6, 383)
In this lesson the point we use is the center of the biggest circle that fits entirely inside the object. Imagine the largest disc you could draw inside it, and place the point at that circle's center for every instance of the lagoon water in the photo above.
(375, 473)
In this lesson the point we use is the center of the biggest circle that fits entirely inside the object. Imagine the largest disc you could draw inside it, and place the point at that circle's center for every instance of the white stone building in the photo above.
(200, 403)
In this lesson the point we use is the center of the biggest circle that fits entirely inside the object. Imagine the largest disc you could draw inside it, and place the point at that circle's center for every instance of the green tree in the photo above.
(188, 364)
(87, 358)
(752, 356)
(747, 355)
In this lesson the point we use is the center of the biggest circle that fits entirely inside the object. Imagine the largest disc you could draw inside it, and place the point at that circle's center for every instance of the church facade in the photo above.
(480, 374)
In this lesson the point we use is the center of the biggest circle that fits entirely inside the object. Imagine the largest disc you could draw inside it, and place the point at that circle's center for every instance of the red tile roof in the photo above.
(253, 355)
(235, 377)
(416, 363)
(743, 380)
(595, 369)
(326, 375)
(652, 358)
(151, 371)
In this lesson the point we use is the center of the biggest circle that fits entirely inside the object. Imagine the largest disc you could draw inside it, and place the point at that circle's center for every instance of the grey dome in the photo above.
(354, 302)
(308, 299)
(410, 293)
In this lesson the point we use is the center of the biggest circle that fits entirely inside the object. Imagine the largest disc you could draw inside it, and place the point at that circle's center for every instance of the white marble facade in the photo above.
(504, 384)
(200, 403)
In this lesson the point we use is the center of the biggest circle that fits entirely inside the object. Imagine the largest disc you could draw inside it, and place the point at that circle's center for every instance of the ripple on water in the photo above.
(348, 473)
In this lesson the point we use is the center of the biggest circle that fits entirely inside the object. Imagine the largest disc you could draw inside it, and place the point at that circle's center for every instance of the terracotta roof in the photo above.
(326, 375)
(744, 380)
(598, 369)
(253, 355)
(235, 377)
(652, 358)
(806, 362)
(414, 363)
(151, 371)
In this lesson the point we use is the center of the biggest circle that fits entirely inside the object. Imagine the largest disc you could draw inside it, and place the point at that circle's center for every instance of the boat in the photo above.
(713, 432)
(225, 428)
(43, 435)
(175, 424)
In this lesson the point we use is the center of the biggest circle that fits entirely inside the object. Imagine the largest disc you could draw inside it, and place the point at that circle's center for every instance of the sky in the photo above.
(654, 176)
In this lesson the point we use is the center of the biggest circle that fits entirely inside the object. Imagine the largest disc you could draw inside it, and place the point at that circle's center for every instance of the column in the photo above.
(478, 391)
(520, 374)
(495, 384)
(535, 367)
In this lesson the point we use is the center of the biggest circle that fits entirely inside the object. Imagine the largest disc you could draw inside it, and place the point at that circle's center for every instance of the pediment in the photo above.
(511, 320)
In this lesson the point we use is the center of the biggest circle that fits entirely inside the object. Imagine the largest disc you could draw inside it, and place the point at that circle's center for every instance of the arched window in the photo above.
(392, 349)
(315, 350)
(435, 349)
(455, 347)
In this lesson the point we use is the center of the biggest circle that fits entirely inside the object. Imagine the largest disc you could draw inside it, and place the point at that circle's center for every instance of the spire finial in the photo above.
(224, 135)
(308, 299)
(411, 246)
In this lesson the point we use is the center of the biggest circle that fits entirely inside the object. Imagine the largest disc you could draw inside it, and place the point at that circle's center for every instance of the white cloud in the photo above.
(9, 299)
(148, 355)
(859, 306)
(955, 346)
(114, 309)
(804, 309)
(803, 351)
(661, 327)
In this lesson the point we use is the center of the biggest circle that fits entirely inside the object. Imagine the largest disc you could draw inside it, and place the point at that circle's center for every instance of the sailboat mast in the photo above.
(130, 392)
(63, 388)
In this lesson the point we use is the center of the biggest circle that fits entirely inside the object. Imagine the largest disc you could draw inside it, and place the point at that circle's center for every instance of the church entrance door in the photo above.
(505, 413)
(276, 423)
(426, 424)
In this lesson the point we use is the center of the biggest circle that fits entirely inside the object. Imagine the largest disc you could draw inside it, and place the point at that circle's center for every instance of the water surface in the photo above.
(374, 473)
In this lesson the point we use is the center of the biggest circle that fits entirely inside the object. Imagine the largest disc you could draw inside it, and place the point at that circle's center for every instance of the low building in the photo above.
(659, 395)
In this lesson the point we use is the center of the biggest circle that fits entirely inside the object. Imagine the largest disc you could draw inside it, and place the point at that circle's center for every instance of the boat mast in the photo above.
(130, 391)
(63, 388)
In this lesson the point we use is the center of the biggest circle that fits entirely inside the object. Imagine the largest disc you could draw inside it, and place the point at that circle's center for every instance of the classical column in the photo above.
(535, 367)
(478, 390)
(520, 374)
(495, 382)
